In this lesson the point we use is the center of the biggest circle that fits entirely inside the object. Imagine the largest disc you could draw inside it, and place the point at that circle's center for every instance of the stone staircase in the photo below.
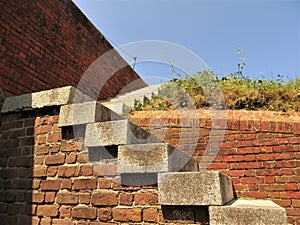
(123, 103)
(180, 183)
(137, 153)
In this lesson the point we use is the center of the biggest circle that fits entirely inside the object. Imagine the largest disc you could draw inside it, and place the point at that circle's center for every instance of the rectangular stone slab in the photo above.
(194, 188)
(248, 212)
(52, 97)
(83, 113)
(153, 158)
(120, 132)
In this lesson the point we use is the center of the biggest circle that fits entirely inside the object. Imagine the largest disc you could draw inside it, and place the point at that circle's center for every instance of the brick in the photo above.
(105, 198)
(296, 203)
(150, 215)
(43, 129)
(68, 171)
(104, 183)
(62, 221)
(65, 211)
(66, 184)
(71, 158)
(49, 197)
(45, 221)
(50, 185)
(86, 170)
(41, 149)
(47, 210)
(38, 197)
(145, 198)
(55, 159)
(39, 171)
(71, 146)
(81, 212)
(84, 198)
(52, 138)
(52, 171)
(83, 184)
(104, 214)
(125, 199)
(67, 198)
(127, 214)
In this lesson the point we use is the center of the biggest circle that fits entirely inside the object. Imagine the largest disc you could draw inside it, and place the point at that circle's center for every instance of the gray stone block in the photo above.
(54, 97)
(87, 112)
(248, 212)
(120, 132)
(153, 158)
(194, 188)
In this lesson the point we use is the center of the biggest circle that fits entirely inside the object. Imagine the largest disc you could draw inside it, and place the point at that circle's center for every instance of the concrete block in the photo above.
(153, 158)
(120, 132)
(248, 212)
(87, 112)
(194, 188)
(53, 97)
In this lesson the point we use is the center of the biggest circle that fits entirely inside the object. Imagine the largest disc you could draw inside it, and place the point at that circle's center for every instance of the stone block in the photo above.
(52, 97)
(153, 158)
(194, 188)
(248, 212)
(119, 132)
(87, 112)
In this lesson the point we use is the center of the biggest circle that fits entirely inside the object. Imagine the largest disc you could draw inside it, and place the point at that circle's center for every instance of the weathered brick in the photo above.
(49, 197)
(71, 158)
(47, 210)
(62, 221)
(104, 214)
(65, 211)
(84, 198)
(54, 138)
(83, 184)
(67, 198)
(127, 214)
(81, 212)
(105, 198)
(86, 170)
(39, 171)
(125, 199)
(150, 215)
(146, 198)
(52, 171)
(55, 159)
(45, 221)
(104, 183)
(38, 197)
(50, 185)
(68, 171)
(66, 184)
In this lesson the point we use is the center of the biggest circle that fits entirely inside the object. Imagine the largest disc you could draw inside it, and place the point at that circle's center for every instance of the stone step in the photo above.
(119, 132)
(153, 158)
(248, 212)
(194, 188)
(87, 112)
(52, 97)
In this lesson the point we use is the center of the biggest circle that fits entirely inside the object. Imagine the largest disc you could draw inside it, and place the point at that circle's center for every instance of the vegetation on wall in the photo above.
(233, 91)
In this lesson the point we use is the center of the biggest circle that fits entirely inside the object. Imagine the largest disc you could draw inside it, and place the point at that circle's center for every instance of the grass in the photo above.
(234, 91)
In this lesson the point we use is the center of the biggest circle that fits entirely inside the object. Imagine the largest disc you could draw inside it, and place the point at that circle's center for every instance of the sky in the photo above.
(267, 31)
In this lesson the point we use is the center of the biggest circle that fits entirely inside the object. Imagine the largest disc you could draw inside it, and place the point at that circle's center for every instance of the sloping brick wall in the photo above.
(49, 43)
(260, 150)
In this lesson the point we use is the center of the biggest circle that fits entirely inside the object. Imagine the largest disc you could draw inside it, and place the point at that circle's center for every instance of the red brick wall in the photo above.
(260, 151)
(49, 43)
(46, 179)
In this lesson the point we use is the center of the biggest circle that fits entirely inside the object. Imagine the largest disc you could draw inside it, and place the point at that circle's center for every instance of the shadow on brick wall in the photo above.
(16, 168)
